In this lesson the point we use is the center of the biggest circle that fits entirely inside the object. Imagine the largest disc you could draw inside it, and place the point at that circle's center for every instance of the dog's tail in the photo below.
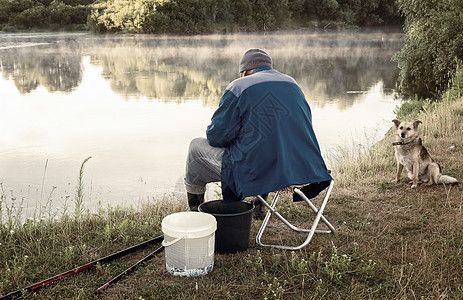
(445, 179)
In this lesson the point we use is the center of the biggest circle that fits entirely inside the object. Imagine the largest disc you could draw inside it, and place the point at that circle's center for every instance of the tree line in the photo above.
(434, 29)
(194, 16)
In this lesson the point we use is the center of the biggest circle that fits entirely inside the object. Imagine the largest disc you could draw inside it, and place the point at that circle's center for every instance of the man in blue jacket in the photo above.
(260, 138)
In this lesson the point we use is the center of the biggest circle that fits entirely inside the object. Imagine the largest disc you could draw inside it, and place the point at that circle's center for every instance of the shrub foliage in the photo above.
(434, 44)
(26, 14)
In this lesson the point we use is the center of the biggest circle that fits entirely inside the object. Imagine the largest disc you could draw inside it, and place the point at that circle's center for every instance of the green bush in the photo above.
(18, 6)
(368, 13)
(409, 110)
(27, 14)
(63, 14)
(37, 16)
(187, 16)
(434, 41)
(4, 12)
(59, 13)
(157, 23)
(123, 15)
(242, 14)
(412, 108)
(456, 84)
(327, 9)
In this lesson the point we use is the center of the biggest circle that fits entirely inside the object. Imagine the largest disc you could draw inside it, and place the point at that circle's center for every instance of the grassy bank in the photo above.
(392, 242)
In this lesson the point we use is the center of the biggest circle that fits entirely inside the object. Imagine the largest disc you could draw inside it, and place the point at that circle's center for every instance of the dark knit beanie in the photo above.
(254, 58)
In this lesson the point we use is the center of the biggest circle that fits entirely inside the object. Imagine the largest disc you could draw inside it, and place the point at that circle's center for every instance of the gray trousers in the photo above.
(203, 165)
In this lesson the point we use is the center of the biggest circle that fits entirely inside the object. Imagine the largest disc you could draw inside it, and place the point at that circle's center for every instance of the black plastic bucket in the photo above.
(233, 224)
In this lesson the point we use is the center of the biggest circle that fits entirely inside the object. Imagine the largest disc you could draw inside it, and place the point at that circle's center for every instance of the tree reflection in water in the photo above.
(326, 65)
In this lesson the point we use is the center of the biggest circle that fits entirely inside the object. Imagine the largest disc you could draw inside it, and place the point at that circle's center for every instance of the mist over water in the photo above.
(134, 102)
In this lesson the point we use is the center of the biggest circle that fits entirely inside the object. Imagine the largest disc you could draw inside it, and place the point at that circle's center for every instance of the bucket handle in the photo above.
(167, 244)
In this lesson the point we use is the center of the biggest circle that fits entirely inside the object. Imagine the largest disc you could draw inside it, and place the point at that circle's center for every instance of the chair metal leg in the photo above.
(319, 216)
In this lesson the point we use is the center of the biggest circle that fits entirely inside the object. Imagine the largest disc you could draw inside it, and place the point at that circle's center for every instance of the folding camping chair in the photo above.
(304, 193)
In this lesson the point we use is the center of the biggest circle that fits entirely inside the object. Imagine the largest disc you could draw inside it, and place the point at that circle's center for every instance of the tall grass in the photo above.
(79, 198)
(33, 250)
(350, 164)
(11, 210)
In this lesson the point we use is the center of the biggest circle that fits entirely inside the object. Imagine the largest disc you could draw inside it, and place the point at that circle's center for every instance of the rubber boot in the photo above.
(194, 201)
(258, 212)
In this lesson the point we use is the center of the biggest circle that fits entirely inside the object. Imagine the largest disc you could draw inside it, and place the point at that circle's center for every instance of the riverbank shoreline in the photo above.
(314, 28)
(391, 241)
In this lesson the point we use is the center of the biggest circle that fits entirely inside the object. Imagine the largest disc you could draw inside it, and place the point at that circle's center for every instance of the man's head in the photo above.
(254, 58)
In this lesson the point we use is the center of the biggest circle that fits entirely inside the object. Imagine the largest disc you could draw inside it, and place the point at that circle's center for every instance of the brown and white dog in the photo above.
(411, 154)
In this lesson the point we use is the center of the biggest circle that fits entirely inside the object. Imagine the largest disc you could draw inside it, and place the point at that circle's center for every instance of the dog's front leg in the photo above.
(416, 168)
(400, 167)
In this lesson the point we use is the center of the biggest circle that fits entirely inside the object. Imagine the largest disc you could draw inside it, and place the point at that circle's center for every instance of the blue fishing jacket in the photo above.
(265, 124)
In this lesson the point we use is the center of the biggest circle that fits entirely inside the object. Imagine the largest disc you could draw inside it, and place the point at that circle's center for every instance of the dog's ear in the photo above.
(416, 123)
(396, 122)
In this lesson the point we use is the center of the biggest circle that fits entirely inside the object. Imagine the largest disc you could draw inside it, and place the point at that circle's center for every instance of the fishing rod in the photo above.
(130, 269)
(87, 266)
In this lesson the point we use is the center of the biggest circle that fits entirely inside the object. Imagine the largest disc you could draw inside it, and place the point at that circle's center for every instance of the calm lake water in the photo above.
(134, 102)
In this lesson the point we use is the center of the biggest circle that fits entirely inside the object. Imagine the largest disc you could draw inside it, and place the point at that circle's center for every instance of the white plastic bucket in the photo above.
(189, 239)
